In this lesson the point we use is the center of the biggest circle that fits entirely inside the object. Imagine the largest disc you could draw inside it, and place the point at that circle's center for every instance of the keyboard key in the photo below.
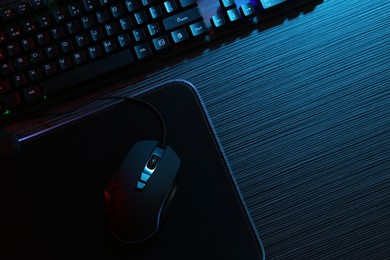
(141, 18)
(45, 21)
(38, 4)
(227, 4)
(19, 80)
(109, 45)
(73, 27)
(80, 57)
(186, 17)
(111, 28)
(27, 44)
(34, 74)
(32, 94)
(143, 50)
(147, 2)
(87, 21)
(13, 49)
(233, 15)
(43, 38)
(218, 21)
(6, 68)
(22, 63)
(105, 2)
(132, 5)
(89, 5)
(75, 9)
(155, 12)
(52, 51)
(95, 51)
(102, 16)
(126, 23)
(154, 29)
(65, 63)
(270, 3)
(179, 36)
(59, 15)
(67, 45)
(117, 10)
(23, 8)
(8, 14)
(102, 66)
(247, 10)
(124, 40)
(170, 6)
(50, 69)
(14, 32)
(37, 56)
(58, 32)
(97, 34)
(161, 43)
(198, 29)
(29, 26)
(82, 40)
(139, 34)
(187, 3)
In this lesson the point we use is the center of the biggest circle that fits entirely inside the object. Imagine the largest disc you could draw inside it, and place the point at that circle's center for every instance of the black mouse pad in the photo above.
(52, 190)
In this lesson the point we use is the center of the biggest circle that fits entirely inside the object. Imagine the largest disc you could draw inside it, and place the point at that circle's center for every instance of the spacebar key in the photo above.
(87, 72)
(179, 19)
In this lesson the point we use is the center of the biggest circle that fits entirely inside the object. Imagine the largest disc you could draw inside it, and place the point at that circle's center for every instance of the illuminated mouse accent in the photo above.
(149, 168)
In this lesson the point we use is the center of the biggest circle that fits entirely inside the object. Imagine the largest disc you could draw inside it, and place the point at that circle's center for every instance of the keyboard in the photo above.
(51, 48)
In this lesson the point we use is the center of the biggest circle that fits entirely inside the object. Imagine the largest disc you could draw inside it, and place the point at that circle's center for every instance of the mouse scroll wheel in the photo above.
(153, 162)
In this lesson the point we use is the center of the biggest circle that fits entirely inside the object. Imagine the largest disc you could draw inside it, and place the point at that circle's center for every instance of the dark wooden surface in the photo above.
(302, 110)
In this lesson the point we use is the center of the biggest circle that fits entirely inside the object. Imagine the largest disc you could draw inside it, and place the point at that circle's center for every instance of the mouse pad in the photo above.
(52, 190)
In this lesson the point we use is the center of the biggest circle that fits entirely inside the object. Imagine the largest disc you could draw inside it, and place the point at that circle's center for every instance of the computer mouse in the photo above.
(140, 191)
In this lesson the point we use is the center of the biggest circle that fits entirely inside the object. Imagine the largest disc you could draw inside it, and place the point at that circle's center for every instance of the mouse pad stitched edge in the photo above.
(53, 194)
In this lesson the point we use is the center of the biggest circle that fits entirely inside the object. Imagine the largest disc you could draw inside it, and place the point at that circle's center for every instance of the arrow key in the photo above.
(247, 10)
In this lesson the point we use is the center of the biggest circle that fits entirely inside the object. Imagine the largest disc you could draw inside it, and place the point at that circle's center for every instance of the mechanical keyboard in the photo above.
(49, 48)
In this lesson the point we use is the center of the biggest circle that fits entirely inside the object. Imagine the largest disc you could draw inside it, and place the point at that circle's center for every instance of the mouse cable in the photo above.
(131, 100)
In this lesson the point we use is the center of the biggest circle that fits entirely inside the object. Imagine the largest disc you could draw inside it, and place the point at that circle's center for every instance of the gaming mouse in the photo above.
(139, 193)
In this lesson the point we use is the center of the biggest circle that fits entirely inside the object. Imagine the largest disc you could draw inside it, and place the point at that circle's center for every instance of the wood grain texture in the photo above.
(302, 110)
